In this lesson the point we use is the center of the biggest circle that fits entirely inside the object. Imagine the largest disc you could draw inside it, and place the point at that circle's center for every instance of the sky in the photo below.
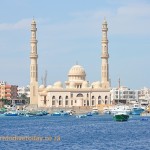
(69, 32)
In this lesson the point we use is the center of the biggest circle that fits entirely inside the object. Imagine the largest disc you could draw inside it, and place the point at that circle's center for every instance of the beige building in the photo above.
(77, 90)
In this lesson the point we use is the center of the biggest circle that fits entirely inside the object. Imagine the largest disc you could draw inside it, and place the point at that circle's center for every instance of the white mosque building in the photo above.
(77, 91)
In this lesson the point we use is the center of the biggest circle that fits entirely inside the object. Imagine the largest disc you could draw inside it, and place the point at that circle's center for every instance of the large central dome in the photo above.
(77, 72)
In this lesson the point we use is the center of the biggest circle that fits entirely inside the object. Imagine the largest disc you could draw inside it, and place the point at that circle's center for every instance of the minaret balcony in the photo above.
(33, 41)
(105, 56)
(33, 29)
(104, 41)
(32, 55)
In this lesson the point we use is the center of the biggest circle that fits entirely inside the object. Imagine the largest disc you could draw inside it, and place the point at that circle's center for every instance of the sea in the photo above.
(99, 132)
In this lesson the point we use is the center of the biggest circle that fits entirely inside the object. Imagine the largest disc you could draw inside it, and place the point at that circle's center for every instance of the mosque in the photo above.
(77, 90)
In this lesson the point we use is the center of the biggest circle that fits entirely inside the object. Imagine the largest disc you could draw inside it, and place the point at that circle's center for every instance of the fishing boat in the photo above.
(89, 114)
(11, 113)
(80, 116)
(136, 109)
(120, 109)
(95, 111)
(56, 114)
(121, 116)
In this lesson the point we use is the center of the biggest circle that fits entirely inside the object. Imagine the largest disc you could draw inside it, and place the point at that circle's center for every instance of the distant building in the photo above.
(144, 96)
(24, 91)
(8, 91)
(123, 95)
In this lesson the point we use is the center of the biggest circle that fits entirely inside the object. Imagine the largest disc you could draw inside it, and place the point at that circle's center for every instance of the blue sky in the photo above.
(69, 31)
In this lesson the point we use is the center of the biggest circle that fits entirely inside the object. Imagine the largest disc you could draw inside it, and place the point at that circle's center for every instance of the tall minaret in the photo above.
(104, 57)
(33, 66)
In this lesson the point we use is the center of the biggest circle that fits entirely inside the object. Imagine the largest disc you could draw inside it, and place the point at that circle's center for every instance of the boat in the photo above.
(89, 114)
(120, 109)
(3, 110)
(80, 116)
(120, 116)
(11, 113)
(136, 109)
(56, 114)
(95, 111)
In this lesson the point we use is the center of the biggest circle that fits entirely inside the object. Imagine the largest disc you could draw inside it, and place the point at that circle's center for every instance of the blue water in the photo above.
(70, 133)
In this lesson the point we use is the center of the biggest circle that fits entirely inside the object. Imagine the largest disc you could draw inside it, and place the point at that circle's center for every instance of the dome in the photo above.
(77, 73)
(77, 70)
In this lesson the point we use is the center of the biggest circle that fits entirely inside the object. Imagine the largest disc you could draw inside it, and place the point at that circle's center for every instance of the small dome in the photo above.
(41, 87)
(84, 84)
(96, 84)
(48, 87)
(58, 84)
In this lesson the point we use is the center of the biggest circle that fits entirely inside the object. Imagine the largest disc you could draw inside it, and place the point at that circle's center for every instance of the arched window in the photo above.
(87, 102)
(79, 95)
(93, 97)
(93, 102)
(106, 99)
(60, 100)
(66, 100)
(99, 99)
(53, 100)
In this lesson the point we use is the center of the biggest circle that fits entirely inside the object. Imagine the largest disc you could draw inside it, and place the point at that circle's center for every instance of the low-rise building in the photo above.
(7, 91)
(123, 95)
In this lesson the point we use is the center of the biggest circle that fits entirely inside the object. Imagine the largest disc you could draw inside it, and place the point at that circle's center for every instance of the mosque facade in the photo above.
(77, 90)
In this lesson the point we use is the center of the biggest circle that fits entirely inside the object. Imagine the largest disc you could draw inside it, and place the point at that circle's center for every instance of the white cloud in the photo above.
(24, 23)
(136, 10)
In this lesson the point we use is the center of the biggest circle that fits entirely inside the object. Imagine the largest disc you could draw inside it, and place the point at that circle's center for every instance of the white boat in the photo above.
(136, 109)
(120, 109)
(80, 116)
(11, 113)
(95, 111)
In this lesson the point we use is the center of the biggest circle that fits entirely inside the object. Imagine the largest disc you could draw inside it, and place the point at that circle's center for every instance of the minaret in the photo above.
(104, 57)
(33, 66)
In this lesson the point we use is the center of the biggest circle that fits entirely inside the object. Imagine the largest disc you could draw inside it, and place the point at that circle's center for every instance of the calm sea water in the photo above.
(70, 133)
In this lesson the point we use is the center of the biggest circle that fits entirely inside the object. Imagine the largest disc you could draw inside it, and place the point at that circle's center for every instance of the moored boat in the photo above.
(95, 111)
(11, 113)
(136, 109)
(80, 116)
(56, 114)
(120, 109)
(89, 114)
(121, 117)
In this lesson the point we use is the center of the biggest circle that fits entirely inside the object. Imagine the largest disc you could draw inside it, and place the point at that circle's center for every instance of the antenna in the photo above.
(119, 83)
(45, 78)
